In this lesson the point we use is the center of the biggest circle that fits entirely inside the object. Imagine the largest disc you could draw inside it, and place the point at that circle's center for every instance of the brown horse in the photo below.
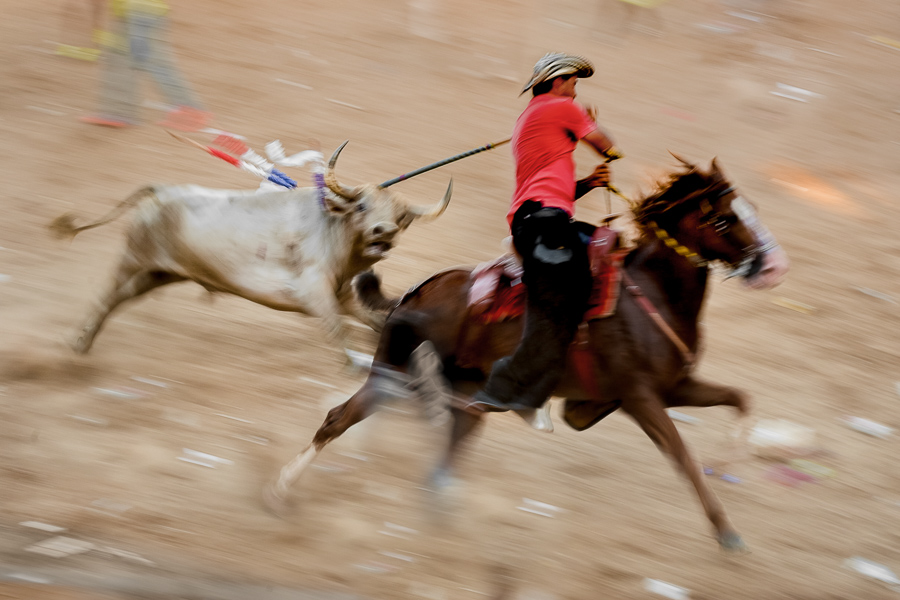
(693, 219)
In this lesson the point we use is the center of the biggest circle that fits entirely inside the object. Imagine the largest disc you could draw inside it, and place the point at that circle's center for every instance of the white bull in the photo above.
(296, 250)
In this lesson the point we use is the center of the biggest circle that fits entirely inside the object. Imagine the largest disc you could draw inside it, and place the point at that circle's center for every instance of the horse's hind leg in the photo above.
(130, 282)
(652, 418)
(339, 419)
(692, 392)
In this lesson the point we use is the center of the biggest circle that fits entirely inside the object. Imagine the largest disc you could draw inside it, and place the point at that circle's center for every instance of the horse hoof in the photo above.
(274, 503)
(733, 543)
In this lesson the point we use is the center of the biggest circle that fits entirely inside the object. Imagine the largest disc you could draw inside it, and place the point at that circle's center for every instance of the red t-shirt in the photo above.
(543, 141)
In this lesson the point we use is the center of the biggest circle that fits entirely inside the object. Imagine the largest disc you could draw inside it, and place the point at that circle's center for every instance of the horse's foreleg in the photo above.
(464, 424)
(652, 418)
(692, 392)
(339, 420)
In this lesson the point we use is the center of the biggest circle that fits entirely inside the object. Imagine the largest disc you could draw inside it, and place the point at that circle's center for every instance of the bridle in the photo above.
(721, 225)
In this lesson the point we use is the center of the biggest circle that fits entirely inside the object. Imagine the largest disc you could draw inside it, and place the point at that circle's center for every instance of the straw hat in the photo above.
(555, 64)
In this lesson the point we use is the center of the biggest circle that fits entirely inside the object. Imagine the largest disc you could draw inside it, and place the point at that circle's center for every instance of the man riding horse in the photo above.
(554, 254)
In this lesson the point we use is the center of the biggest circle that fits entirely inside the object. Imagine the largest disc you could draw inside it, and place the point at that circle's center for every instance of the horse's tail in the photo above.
(368, 289)
(63, 227)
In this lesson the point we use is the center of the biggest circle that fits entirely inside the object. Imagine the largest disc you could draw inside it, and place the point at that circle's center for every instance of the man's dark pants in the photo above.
(558, 279)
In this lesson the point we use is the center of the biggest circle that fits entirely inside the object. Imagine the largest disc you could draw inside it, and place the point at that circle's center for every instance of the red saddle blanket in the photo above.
(497, 292)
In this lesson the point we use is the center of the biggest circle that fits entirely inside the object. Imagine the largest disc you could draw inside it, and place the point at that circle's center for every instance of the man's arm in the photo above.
(600, 142)
(599, 178)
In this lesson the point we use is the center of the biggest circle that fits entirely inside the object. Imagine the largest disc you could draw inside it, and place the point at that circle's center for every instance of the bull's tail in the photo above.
(368, 289)
(63, 227)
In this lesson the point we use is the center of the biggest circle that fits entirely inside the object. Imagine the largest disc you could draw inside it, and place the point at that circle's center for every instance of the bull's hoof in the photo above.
(274, 503)
(80, 346)
(732, 543)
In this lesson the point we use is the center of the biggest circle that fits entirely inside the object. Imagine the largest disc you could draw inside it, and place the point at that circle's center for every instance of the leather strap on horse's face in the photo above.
(711, 218)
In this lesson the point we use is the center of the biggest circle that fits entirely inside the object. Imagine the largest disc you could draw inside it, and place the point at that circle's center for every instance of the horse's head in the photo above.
(703, 217)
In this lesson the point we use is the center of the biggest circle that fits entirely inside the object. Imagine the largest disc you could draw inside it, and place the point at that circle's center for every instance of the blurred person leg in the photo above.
(152, 53)
(119, 83)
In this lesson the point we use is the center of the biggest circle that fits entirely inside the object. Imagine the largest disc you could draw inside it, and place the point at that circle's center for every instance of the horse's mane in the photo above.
(677, 189)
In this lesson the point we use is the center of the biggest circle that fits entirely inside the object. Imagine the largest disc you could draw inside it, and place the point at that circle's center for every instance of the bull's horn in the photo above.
(331, 179)
(433, 212)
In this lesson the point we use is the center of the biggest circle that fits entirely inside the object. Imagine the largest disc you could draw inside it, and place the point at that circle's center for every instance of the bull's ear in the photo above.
(335, 205)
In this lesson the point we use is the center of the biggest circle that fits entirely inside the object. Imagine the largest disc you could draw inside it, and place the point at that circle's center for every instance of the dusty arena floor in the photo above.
(92, 444)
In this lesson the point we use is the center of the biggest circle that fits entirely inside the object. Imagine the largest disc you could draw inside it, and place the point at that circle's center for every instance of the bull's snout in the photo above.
(383, 231)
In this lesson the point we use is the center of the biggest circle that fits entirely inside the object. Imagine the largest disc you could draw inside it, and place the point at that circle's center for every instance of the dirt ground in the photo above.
(92, 444)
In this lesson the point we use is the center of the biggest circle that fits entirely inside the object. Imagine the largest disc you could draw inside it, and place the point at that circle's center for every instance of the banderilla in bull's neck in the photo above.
(441, 163)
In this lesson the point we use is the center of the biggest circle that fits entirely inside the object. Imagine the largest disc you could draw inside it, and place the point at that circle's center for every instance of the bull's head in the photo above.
(376, 213)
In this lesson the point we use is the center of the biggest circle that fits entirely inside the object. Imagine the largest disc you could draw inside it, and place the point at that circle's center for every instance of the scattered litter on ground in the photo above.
(876, 294)
(60, 546)
(110, 507)
(427, 591)
(126, 554)
(745, 16)
(824, 51)
(785, 475)
(316, 382)
(792, 92)
(29, 578)
(203, 459)
(884, 41)
(347, 104)
(810, 468)
(90, 420)
(122, 393)
(868, 427)
(668, 590)
(793, 305)
(709, 471)
(354, 455)
(399, 531)
(397, 555)
(539, 508)
(376, 567)
(678, 114)
(874, 570)
(149, 381)
(731, 478)
(678, 416)
(254, 439)
(4, 278)
(42, 526)
(781, 440)
(302, 86)
(224, 416)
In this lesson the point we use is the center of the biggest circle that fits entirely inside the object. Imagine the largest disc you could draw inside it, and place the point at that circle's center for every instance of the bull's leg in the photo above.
(129, 283)
(340, 418)
(692, 392)
(318, 300)
(650, 415)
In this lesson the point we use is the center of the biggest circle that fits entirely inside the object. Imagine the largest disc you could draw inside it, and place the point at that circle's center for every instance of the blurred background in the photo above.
(800, 102)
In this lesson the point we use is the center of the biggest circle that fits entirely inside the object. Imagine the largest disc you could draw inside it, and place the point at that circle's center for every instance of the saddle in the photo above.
(497, 294)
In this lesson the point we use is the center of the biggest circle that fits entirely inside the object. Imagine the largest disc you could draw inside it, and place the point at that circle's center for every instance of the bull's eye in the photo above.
(361, 207)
